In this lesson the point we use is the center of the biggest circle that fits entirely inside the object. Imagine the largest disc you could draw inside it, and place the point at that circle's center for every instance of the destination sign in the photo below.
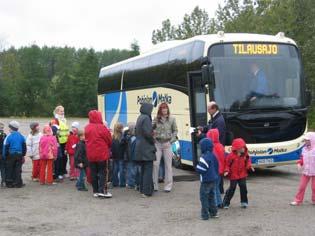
(255, 49)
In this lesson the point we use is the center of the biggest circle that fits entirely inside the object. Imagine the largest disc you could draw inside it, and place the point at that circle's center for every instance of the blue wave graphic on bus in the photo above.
(154, 99)
(115, 108)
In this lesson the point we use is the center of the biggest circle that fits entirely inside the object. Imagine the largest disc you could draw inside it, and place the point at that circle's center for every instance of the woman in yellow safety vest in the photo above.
(61, 131)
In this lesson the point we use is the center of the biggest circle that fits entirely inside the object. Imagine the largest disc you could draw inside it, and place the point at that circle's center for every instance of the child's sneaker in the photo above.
(244, 205)
(226, 207)
(101, 195)
(214, 216)
(294, 203)
(108, 195)
(95, 195)
(35, 179)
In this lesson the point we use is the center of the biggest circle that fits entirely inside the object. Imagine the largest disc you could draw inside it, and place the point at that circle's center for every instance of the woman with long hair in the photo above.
(165, 130)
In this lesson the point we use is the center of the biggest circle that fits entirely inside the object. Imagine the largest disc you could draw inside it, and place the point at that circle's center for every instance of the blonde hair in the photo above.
(118, 130)
(58, 108)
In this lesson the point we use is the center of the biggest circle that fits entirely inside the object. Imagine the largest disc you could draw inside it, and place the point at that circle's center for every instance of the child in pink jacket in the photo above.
(48, 153)
(307, 165)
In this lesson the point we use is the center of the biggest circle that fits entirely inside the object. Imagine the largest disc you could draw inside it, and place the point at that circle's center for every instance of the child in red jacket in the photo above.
(73, 139)
(219, 152)
(237, 165)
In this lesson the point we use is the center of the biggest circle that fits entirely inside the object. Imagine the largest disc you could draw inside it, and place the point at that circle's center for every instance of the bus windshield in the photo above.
(256, 76)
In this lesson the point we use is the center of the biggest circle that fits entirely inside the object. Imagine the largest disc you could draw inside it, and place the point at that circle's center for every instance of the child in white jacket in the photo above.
(32, 145)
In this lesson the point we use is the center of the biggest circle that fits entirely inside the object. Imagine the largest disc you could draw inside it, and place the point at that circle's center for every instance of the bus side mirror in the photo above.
(208, 75)
(308, 98)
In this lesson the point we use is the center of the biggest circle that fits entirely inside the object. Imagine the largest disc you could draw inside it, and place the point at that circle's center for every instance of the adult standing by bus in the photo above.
(145, 148)
(61, 131)
(216, 122)
(165, 133)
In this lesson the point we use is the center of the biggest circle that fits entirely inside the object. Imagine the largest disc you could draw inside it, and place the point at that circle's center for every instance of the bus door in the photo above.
(197, 108)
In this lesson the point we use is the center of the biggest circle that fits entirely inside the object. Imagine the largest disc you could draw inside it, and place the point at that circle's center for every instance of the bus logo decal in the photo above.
(154, 99)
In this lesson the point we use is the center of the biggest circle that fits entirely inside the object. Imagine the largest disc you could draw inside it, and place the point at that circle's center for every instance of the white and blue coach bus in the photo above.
(187, 74)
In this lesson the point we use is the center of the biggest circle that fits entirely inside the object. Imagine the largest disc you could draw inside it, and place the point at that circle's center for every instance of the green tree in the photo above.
(134, 49)
(197, 23)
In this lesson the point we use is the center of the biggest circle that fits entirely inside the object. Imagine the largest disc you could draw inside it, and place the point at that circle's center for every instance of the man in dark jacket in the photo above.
(145, 148)
(216, 122)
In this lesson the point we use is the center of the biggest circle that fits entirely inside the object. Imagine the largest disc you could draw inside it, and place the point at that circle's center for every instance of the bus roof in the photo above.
(209, 39)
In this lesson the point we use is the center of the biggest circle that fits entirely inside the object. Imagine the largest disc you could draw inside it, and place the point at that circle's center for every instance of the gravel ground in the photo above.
(61, 210)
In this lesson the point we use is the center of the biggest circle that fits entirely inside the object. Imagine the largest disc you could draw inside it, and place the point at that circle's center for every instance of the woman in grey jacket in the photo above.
(165, 132)
(145, 149)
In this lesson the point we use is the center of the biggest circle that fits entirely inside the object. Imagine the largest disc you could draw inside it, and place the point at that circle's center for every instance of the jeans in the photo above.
(2, 169)
(207, 200)
(217, 193)
(14, 170)
(231, 190)
(146, 178)
(98, 176)
(119, 173)
(81, 180)
(133, 174)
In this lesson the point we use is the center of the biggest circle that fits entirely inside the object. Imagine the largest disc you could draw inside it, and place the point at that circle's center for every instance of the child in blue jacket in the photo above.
(207, 167)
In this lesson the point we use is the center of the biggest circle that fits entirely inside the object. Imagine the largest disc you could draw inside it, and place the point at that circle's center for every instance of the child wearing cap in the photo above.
(2, 162)
(73, 139)
(306, 165)
(32, 144)
(48, 148)
(14, 150)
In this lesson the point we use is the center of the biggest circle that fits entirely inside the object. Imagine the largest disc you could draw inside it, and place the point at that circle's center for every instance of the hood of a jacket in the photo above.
(146, 108)
(95, 117)
(206, 145)
(311, 136)
(213, 134)
(238, 144)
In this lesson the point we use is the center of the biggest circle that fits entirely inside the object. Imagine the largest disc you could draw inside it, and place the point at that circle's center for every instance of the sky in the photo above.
(98, 24)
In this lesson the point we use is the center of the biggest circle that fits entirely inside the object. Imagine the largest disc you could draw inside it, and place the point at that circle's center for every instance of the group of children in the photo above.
(213, 165)
(42, 149)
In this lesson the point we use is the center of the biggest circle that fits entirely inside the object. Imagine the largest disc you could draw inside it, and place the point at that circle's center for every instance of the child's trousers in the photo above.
(74, 172)
(231, 190)
(36, 169)
(207, 199)
(303, 184)
(42, 176)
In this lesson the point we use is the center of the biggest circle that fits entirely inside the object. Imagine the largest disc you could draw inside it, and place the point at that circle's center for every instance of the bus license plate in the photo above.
(265, 161)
